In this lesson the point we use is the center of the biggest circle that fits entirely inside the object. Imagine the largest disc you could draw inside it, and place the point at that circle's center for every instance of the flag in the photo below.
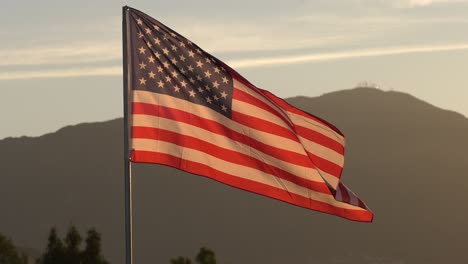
(191, 111)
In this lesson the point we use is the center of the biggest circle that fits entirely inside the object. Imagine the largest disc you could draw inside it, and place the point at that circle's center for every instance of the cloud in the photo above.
(66, 54)
(420, 3)
(286, 60)
(246, 63)
(64, 73)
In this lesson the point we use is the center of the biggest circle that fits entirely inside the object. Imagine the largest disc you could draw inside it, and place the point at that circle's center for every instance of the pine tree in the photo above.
(72, 246)
(92, 252)
(54, 252)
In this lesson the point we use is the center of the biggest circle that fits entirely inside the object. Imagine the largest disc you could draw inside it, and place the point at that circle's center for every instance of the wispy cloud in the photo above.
(65, 54)
(64, 73)
(246, 63)
(277, 61)
(420, 3)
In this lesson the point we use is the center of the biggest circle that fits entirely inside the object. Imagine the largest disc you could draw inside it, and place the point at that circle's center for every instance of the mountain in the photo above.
(406, 158)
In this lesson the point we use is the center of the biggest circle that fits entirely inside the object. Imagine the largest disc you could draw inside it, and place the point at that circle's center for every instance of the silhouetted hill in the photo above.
(406, 158)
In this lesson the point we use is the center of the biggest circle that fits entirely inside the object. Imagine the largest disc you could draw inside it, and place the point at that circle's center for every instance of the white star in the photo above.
(182, 44)
(208, 100)
(176, 89)
(199, 77)
(173, 47)
(174, 61)
(216, 97)
(224, 94)
(160, 69)
(207, 60)
(190, 68)
(148, 31)
(142, 50)
(151, 74)
(173, 34)
(225, 80)
(224, 108)
(200, 90)
(183, 83)
(175, 74)
(166, 64)
(156, 27)
(189, 42)
(165, 51)
(151, 59)
(192, 80)
(165, 37)
(183, 71)
(158, 55)
(148, 44)
(191, 54)
(182, 58)
(139, 22)
(215, 84)
(142, 65)
(168, 78)
(192, 93)
(140, 35)
(199, 64)
(160, 84)
(142, 80)
(198, 51)
(207, 87)
(216, 69)
(208, 74)
(157, 41)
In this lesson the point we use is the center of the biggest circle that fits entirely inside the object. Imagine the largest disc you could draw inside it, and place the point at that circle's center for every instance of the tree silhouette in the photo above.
(8, 252)
(54, 252)
(92, 252)
(70, 252)
(206, 256)
(181, 260)
(72, 246)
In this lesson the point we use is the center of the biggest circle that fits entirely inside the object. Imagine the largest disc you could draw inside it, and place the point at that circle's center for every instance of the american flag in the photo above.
(193, 112)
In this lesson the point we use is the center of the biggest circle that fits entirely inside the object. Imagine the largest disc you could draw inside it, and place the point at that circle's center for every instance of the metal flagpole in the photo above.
(127, 163)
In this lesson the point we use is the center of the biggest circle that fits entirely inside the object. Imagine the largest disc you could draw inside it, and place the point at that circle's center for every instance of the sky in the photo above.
(61, 61)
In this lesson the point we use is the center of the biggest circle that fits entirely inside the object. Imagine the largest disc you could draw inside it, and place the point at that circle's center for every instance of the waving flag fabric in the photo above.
(193, 112)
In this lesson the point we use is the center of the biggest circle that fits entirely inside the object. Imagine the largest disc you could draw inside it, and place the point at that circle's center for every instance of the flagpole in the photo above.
(127, 163)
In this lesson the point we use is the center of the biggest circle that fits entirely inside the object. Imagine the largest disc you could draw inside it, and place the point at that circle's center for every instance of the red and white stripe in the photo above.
(267, 147)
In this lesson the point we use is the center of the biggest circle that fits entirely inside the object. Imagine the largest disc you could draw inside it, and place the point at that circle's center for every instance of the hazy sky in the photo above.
(60, 61)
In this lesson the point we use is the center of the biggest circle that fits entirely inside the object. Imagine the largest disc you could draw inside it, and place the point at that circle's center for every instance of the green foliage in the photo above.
(204, 256)
(70, 252)
(8, 252)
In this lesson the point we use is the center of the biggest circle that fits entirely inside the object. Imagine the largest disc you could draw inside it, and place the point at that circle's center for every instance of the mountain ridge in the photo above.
(293, 98)
(404, 158)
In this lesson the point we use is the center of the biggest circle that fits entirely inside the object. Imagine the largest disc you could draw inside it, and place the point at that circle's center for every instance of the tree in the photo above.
(72, 246)
(70, 253)
(54, 252)
(8, 252)
(92, 252)
(181, 260)
(206, 256)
